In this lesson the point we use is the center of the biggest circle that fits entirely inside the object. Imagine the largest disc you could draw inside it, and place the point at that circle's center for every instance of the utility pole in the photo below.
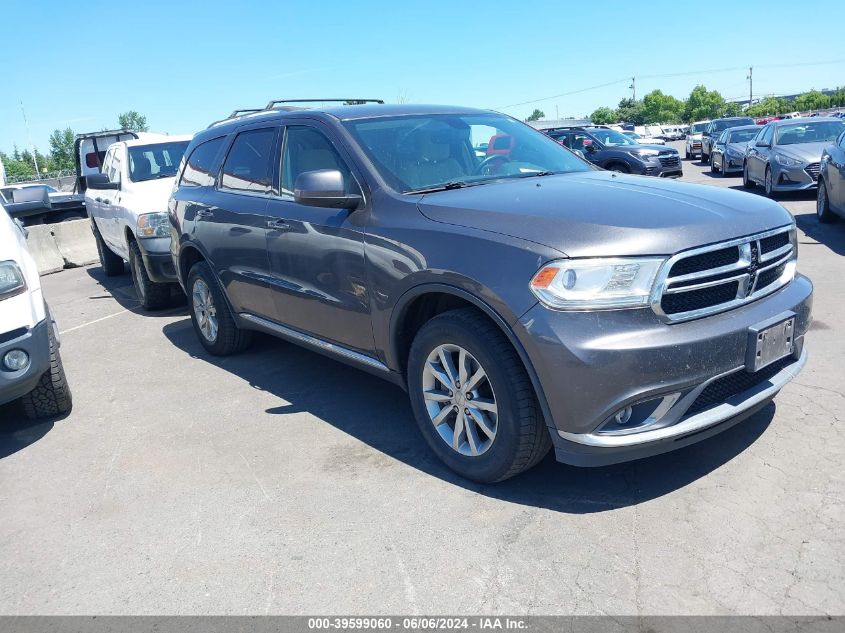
(750, 79)
(633, 87)
(29, 138)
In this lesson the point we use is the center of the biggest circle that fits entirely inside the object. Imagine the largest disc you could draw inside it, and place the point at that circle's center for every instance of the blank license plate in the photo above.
(771, 344)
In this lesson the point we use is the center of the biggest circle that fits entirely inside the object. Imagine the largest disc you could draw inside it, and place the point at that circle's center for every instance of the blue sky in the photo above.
(184, 64)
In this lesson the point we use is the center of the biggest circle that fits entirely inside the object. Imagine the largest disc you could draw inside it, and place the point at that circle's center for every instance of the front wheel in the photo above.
(746, 181)
(210, 315)
(768, 184)
(472, 398)
(619, 168)
(152, 296)
(51, 396)
(713, 169)
(823, 204)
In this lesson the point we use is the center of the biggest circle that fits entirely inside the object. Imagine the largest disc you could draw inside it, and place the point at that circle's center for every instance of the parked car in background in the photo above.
(786, 155)
(524, 300)
(831, 195)
(728, 155)
(128, 208)
(617, 151)
(648, 134)
(715, 128)
(30, 364)
(89, 150)
(36, 203)
(693, 145)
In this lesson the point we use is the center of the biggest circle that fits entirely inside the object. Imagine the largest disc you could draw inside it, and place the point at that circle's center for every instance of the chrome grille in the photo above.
(722, 276)
(813, 170)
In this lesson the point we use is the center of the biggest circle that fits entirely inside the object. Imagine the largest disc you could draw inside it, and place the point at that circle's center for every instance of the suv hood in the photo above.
(639, 146)
(598, 213)
(149, 196)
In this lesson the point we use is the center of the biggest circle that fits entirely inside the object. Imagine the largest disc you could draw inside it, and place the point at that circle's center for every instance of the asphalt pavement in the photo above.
(280, 481)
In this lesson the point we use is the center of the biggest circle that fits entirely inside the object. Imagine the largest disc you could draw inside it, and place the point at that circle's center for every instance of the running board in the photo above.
(312, 341)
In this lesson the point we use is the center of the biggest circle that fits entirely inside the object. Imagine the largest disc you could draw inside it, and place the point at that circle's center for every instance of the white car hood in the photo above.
(26, 309)
(148, 196)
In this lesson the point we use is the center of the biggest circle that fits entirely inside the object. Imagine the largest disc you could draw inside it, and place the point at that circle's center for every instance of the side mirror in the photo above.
(762, 144)
(324, 188)
(100, 181)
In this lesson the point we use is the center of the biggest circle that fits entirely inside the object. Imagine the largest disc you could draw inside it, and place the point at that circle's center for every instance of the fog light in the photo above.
(624, 416)
(16, 360)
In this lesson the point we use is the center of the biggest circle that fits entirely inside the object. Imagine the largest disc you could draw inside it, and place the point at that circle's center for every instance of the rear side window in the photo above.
(198, 168)
(249, 165)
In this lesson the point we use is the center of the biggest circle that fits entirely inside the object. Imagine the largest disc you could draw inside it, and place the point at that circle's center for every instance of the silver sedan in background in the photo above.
(728, 153)
(786, 155)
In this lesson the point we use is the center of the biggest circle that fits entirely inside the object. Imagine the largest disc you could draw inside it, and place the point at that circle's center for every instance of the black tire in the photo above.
(620, 168)
(153, 296)
(713, 169)
(823, 204)
(51, 396)
(111, 264)
(521, 439)
(768, 184)
(688, 155)
(229, 338)
(705, 158)
(746, 181)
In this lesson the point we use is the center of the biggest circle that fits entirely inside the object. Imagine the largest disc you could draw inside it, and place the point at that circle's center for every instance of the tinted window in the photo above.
(307, 149)
(741, 136)
(148, 162)
(249, 165)
(718, 126)
(766, 135)
(813, 132)
(198, 168)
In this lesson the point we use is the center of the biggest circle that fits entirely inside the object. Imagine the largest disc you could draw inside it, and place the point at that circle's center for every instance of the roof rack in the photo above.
(272, 104)
(277, 104)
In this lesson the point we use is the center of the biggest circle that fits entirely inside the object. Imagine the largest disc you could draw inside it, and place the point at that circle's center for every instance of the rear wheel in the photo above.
(111, 264)
(51, 396)
(823, 204)
(746, 181)
(472, 398)
(152, 296)
(210, 315)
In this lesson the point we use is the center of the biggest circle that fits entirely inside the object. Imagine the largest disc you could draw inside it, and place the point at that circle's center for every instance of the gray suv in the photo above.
(522, 297)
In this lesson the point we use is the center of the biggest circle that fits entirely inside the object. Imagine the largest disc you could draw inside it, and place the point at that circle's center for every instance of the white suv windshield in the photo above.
(148, 162)
(418, 152)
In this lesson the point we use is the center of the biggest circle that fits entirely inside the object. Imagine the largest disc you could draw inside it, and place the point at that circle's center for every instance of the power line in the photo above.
(564, 94)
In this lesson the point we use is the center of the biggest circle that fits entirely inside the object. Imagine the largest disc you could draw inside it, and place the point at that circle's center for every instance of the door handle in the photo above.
(278, 225)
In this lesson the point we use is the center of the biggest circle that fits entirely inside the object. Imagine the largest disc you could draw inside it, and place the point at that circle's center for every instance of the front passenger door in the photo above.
(317, 254)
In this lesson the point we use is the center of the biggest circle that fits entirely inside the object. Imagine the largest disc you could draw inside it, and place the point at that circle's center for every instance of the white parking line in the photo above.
(108, 316)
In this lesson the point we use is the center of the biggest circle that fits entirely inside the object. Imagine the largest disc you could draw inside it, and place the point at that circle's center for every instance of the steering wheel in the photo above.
(485, 167)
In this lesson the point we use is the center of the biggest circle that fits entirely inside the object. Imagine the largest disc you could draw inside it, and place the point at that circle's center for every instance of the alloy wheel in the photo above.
(459, 399)
(821, 200)
(205, 311)
(768, 182)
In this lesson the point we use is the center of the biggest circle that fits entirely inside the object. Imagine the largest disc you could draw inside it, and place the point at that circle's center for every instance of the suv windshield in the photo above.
(697, 128)
(148, 162)
(740, 136)
(420, 152)
(611, 138)
(718, 126)
(821, 132)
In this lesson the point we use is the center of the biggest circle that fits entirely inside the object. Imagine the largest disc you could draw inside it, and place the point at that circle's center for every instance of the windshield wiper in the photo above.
(454, 184)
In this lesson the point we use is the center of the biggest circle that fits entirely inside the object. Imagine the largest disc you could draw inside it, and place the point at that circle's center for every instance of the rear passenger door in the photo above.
(232, 226)
(317, 254)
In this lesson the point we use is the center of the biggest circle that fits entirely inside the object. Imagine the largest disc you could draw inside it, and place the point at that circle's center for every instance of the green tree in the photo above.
(603, 116)
(661, 108)
(61, 149)
(732, 109)
(813, 100)
(631, 111)
(769, 106)
(703, 104)
(536, 115)
(134, 121)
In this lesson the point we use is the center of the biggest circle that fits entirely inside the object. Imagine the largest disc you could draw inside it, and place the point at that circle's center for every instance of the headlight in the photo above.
(11, 280)
(153, 225)
(786, 161)
(598, 284)
(732, 153)
(645, 154)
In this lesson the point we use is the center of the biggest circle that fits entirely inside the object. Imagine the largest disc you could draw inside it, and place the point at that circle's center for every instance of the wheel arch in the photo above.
(421, 303)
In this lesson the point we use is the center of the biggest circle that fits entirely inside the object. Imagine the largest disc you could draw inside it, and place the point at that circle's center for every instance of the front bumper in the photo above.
(792, 178)
(159, 265)
(657, 168)
(36, 343)
(592, 364)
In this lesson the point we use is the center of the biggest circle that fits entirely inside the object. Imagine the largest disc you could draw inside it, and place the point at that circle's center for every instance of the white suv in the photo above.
(127, 203)
(30, 365)
(693, 147)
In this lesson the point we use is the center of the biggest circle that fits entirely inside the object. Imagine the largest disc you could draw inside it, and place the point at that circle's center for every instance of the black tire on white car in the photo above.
(152, 295)
(51, 396)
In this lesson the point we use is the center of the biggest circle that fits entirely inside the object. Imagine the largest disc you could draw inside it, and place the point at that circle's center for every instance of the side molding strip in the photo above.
(307, 339)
